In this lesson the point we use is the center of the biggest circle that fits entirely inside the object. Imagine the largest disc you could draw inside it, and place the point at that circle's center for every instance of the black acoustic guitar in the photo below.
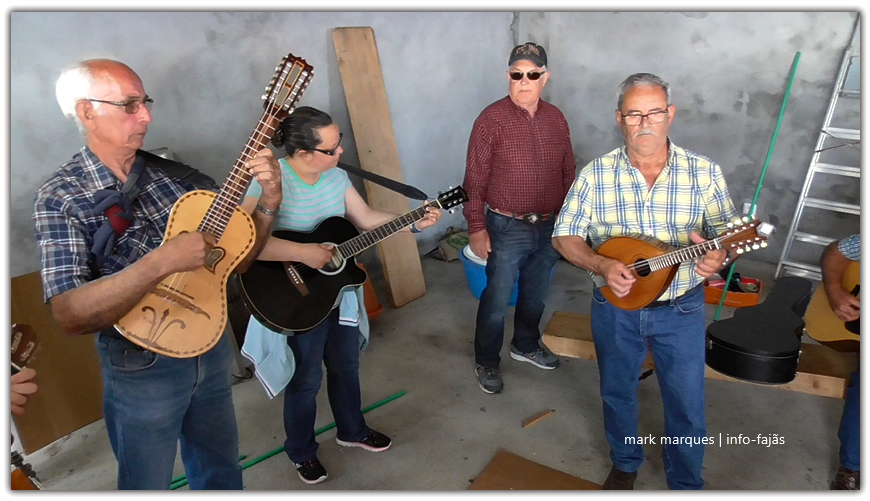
(762, 343)
(289, 296)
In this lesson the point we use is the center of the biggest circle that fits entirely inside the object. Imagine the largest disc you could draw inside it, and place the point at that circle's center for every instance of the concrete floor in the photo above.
(445, 430)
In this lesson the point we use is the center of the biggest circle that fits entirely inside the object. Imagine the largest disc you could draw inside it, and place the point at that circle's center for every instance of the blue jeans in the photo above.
(676, 335)
(518, 249)
(337, 347)
(151, 401)
(850, 424)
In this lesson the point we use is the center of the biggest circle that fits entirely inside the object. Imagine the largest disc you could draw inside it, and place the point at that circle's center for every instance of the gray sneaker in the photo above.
(489, 378)
(538, 358)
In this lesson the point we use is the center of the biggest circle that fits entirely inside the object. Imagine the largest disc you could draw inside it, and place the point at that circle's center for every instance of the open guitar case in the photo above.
(762, 343)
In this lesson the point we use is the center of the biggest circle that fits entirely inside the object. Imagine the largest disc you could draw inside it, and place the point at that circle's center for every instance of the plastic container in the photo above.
(713, 292)
(475, 273)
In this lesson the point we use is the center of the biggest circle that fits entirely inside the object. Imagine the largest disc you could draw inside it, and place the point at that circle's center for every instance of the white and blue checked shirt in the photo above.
(610, 198)
(850, 247)
(65, 222)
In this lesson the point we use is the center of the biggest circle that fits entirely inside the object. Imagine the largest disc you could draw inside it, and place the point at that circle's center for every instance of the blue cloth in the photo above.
(104, 238)
(151, 400)
(676, 335)
(518, 249)
(332, 345)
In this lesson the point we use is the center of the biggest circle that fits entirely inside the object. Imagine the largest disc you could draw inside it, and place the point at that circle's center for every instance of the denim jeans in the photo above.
(336, 346)
(151, 401)
(676, 335)
(850, 424)
(518, 248)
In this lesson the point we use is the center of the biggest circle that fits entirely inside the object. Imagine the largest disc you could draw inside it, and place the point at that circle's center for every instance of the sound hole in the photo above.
(641, 267)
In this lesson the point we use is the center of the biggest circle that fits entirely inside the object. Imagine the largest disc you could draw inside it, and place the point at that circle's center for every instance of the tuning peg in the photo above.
(763, 244)
(451, 211)
(745, 219)
(730, 225)
(755, 246)
(740, 250)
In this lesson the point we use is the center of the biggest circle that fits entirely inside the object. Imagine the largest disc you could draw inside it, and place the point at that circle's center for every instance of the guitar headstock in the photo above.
(451, 198)
(744, 235)
(291, 78)
(24, 345)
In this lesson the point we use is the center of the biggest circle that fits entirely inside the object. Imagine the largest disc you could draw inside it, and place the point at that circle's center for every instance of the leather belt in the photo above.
(531, 217)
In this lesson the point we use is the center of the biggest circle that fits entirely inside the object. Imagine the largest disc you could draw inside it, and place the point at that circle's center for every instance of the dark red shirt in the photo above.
(516, 162)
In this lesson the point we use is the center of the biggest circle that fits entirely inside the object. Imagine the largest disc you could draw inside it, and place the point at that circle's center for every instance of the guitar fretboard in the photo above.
(365, 240)
(677, 256)
(236, 184)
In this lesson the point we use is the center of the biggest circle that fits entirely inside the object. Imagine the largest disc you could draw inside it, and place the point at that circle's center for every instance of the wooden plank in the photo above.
(70, 393)
(821, 370)
(507, 471)
(363, 82)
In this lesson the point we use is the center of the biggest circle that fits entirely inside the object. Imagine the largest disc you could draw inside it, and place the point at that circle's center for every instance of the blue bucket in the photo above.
(475, 273)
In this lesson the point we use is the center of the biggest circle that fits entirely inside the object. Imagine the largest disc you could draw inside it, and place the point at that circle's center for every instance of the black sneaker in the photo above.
(311, 472)
(375, 441)
(489, 378)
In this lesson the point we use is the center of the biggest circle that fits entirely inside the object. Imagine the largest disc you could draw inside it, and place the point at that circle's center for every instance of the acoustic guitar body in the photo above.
(186, 314)
(824, 326)
(649, 285)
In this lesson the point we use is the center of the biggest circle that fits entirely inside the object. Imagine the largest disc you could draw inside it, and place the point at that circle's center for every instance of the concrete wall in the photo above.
(206, 72)
(728, 73)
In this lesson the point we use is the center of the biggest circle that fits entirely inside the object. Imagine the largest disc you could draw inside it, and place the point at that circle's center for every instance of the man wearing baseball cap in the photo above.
(519, 167)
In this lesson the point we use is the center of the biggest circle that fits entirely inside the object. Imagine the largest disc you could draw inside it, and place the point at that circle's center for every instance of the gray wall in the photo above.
(206, 72)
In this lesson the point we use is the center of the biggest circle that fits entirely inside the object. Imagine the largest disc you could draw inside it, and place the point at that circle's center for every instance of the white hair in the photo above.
(74, 85)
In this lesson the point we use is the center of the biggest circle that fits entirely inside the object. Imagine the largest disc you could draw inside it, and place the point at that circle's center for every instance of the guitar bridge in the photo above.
(296, 278)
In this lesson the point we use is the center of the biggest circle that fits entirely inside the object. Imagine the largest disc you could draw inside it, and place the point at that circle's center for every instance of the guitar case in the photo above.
(762, 343)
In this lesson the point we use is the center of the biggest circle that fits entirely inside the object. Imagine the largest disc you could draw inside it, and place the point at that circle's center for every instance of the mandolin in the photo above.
(824, 326)
(186, 314)
(655, 263)
(287, 296)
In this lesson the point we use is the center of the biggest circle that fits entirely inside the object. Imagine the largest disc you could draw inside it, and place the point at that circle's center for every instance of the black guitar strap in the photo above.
(404, 189)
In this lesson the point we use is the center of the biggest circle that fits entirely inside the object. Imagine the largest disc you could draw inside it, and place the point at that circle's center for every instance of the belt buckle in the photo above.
(532, 218)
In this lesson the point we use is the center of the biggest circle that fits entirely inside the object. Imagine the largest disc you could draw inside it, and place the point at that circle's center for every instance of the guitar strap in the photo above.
(403, 189)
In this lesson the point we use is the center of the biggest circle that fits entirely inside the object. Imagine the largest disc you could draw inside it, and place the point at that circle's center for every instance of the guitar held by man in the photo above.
(834, 314)
(186, 314)
(291, 296)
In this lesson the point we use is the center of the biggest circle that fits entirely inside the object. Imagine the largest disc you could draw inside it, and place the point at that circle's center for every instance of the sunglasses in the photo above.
(533, 75)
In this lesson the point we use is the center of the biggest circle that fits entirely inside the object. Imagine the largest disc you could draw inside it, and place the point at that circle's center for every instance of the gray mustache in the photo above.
(645, 132)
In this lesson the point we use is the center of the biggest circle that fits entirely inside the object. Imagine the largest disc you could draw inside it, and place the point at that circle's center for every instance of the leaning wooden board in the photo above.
(366, 96)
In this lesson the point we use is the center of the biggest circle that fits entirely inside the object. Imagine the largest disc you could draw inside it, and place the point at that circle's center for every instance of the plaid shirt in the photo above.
(850, 247)
(65, 222)
(516, 162)
(610, 198)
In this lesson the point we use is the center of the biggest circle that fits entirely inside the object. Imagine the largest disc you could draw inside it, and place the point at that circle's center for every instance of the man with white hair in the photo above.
(519, 166)
(649, 186)
(98, 263)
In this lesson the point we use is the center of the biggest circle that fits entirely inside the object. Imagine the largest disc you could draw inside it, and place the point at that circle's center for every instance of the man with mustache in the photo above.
(653, 187)
(97, 264)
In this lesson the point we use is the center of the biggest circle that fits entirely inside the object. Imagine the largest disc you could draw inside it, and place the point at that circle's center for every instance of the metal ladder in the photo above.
(846, 137)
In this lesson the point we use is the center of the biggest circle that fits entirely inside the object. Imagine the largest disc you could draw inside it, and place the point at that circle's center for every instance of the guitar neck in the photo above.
(236, 184)
(365, 240)
(679, 256)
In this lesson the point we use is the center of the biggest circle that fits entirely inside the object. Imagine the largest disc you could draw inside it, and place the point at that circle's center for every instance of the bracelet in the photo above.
(414, 228)
(268, 212)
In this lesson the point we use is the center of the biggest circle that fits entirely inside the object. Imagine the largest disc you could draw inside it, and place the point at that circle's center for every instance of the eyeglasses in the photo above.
(132, 106)
(653, 117)
(332, 151)
(533, 75)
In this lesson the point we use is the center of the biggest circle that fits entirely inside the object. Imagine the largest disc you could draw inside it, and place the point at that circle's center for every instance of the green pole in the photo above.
(794, 65)
(182, 480)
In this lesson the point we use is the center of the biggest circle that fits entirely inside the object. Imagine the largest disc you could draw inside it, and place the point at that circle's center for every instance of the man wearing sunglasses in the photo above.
(99, 227)
(649, 186)
(519, 166)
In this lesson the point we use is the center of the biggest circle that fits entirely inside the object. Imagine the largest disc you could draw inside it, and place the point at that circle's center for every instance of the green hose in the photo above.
(182, 480)
(794, 65)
